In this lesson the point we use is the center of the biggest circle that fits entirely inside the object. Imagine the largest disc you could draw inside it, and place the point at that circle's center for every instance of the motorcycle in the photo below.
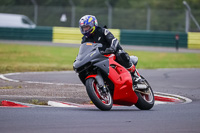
(107, 82)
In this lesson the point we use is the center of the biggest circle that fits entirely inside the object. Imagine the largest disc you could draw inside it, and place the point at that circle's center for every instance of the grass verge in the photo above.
(38, 102)
(23, 58)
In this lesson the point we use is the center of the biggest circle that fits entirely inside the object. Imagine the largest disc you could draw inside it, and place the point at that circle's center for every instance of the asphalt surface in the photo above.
(168, 118)
(182, 118)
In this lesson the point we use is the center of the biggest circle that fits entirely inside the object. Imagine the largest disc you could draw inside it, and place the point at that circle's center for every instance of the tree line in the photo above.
(160, 4)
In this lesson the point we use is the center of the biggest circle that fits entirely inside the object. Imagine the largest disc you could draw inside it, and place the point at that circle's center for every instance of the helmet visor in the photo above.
(85, 29)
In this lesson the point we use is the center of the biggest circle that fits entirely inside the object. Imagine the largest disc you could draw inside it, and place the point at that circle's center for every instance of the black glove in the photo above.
(109, 51)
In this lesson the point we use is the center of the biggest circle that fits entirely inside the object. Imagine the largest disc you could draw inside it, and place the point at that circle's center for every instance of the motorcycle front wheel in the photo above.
(145, 97)
(102, 101)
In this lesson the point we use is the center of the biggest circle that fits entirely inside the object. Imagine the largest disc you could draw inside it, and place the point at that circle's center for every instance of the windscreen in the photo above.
(87, 48)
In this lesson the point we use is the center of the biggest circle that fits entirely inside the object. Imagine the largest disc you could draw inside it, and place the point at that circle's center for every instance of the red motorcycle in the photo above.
(107, 82)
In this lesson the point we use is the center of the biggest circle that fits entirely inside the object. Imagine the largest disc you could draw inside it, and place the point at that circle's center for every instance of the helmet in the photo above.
(87, 24)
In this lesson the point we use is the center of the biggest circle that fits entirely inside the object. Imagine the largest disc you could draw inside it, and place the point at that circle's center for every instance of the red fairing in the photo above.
(111, 56)
(122, 80)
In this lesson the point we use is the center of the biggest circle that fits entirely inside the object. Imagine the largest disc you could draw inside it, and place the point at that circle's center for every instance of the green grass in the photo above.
(153, 60)
(23, 58)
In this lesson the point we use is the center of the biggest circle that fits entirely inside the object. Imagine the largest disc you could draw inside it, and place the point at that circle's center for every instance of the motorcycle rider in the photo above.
(93, 33)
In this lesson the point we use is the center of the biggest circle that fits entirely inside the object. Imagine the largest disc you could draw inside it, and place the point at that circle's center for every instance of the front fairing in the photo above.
(88, 53)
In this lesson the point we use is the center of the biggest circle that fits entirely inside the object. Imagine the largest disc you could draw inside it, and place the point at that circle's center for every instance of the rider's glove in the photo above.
(109, 50)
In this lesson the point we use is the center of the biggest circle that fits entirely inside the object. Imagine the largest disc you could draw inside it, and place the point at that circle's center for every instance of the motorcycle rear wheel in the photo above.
(145, 97)
(103, 102)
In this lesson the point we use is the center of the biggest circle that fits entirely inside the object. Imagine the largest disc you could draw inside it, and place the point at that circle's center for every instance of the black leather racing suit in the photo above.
(106, 38)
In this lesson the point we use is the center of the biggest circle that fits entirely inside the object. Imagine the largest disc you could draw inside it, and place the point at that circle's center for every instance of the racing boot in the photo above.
(135, 74)
(137, 78)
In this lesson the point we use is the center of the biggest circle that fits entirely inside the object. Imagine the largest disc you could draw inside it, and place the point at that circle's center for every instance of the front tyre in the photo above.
(102, 101)
(145, 97)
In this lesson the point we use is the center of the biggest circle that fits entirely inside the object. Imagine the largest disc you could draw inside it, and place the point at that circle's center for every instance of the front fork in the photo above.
(100, 81)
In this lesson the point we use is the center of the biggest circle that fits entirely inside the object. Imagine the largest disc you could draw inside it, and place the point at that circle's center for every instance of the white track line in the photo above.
(7, 79)
(36, 82)
(61, 104)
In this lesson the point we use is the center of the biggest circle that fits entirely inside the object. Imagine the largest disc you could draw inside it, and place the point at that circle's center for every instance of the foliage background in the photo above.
(168, 15)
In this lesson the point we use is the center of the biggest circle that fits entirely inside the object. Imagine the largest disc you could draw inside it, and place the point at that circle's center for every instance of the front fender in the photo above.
(98, 78)
(91, 76)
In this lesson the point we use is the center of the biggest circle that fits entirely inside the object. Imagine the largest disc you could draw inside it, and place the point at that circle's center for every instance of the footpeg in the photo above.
(141, 86)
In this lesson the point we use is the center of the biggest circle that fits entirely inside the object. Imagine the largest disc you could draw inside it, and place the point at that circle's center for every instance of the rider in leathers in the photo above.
(95, 34)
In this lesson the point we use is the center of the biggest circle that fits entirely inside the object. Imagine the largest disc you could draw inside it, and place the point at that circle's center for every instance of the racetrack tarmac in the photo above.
(168, 118)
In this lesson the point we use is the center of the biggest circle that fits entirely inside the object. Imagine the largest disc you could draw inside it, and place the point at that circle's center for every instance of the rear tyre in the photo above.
(102, 101)
(145, 97)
